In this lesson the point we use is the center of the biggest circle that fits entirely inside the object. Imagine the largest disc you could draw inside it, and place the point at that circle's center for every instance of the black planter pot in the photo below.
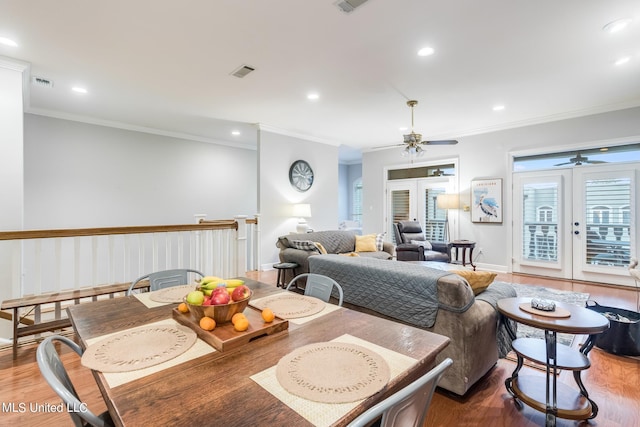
(622, 337)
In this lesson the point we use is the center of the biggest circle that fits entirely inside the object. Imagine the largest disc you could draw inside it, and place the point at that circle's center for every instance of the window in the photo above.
(600, 215)
(357, 201)
(545, 214)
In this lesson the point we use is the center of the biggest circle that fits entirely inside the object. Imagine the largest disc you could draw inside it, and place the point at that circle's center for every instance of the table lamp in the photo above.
(302, 211)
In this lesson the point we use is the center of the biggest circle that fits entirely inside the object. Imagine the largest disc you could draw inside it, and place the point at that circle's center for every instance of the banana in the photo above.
(234, 283)
(207, 279)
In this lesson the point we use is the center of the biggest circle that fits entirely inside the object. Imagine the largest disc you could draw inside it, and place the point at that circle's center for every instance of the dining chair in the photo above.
(407, 407)
(319, 286)
(56, 376)
(165, 279)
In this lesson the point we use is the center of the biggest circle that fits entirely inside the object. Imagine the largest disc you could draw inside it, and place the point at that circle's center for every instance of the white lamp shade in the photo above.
(302, 210)
(448, 201)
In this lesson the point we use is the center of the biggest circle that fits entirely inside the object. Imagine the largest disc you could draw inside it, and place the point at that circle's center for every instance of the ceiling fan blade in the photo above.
(562, 164)
(382, 147)
(594, 161)
(440, 142)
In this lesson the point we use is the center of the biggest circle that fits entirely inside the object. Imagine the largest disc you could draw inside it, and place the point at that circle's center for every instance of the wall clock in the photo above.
(301, 175)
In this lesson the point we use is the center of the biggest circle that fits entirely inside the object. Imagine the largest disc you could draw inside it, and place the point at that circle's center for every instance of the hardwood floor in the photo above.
(612, 381)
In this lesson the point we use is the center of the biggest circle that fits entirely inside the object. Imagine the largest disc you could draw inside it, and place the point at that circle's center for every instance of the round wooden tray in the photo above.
(558, 312)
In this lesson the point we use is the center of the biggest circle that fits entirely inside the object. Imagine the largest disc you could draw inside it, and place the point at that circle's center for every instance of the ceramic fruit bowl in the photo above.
(219, 313)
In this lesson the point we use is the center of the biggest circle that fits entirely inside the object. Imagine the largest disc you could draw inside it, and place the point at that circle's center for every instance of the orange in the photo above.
(237, 316)
(207, 323)
(242, 324)
(182, 308)
(267, 315)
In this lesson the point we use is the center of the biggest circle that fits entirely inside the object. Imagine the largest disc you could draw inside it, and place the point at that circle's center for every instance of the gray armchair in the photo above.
(408, 231)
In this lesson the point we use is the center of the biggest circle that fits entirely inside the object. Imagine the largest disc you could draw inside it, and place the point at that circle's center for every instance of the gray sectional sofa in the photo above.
(333, 241)
(436, 300)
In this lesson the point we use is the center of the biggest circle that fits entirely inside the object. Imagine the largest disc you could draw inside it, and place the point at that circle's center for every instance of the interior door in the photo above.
(577, 223)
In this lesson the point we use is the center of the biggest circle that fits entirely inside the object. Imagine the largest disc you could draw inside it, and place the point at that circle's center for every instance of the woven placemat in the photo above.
(174, 294)
(333, 372)
(139, 348)
(558, 312)
(289, 305)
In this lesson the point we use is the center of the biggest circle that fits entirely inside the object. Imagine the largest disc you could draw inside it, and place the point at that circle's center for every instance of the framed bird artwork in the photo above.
(486, 200)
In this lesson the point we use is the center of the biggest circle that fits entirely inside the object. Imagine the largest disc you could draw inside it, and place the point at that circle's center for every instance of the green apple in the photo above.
(195, 297)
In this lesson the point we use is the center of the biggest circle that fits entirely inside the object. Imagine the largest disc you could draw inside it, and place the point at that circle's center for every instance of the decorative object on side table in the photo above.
(486, 198)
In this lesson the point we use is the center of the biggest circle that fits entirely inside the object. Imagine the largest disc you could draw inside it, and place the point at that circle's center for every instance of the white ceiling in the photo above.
(165, 65)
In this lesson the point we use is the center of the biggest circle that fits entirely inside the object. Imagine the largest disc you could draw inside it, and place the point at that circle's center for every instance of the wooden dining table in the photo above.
(217, 388)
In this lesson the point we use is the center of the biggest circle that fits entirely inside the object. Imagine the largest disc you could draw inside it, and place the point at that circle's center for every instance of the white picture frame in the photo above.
(486, 200)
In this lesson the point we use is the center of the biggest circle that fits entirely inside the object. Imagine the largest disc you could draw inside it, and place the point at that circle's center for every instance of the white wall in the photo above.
(83, 175)
(276, 154)
(11, 169)
(487, 156)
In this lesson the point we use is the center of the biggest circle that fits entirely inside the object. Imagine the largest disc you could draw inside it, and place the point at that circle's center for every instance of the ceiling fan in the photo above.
(579, 159)
(413, 141)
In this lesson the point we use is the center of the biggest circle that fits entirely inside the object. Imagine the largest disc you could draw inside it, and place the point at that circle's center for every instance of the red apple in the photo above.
(220, 298)
(241, 292)
(207, 300)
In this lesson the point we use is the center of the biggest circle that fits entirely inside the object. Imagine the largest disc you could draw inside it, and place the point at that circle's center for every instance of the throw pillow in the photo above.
(366, 243)
(349, 254)
(479, 280)
(380, 242)
(305, 245)
(425, 244)
(320, 248)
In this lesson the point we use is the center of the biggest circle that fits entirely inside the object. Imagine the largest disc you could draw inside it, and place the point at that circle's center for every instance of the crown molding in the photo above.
(286, 132)
(601, 109)
(135, 128)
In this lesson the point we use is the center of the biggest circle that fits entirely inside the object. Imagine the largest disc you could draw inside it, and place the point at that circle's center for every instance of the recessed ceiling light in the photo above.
(426, 51)
(498, 108)
(622, 61)
(313, 96)
(235, 132)
(8, 42)
(78, 89)
(617, 25)
(604, 149)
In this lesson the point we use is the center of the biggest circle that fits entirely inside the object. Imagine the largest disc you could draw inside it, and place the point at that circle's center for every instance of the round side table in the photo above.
(546, 394)
(282, 268)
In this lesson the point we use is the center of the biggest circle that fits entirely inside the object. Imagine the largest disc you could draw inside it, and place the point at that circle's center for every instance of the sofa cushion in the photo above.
(366, 243)
(321, 248)
(478, 280)
(334, 241)
(305, 245)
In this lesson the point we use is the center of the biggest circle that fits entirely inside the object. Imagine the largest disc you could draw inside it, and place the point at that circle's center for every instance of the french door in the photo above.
(578, 223)
(416, 199)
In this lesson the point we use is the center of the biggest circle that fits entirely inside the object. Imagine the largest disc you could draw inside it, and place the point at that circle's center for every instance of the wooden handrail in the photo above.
(103, 231)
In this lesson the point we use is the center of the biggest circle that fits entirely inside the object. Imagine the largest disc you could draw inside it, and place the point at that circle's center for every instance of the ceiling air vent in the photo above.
(42, 82)
(348, 6)
(242, 71)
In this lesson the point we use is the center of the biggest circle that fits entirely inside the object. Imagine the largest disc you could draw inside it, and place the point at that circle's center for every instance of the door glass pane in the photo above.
(400, 208)
(434, 220)
(607, 212)
(540, 222)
